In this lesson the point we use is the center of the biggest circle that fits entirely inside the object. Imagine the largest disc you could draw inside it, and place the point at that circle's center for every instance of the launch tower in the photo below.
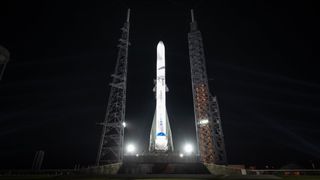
(207, 117)
(112, 136)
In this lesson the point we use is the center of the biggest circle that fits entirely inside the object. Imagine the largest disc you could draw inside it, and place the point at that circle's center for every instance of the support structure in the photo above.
(207, 117)
(4, 59)
(38, 160)
(112, 136)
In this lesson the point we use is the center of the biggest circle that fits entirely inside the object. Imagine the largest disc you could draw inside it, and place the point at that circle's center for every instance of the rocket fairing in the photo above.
(160, 136)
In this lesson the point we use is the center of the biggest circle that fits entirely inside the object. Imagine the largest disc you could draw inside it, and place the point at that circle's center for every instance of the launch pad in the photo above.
(162, 163)
(162, 157)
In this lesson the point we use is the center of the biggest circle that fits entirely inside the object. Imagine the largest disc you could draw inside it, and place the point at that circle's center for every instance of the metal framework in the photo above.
(207, 116)
(4, 59)
(38, 160)
(112, 136)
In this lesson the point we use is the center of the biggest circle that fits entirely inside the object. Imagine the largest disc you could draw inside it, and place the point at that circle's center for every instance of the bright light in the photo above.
(188, 148)
(181, 155)
(124, 124)
(131, 148)
(137, 155)
(204, 121)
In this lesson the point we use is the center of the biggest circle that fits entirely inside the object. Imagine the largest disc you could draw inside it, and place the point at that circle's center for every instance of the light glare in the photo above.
(188, 148)
(204, 121)
(131, 148)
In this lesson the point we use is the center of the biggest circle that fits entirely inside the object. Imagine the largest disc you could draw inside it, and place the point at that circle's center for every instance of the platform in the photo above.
(161, 158)
(161, 163)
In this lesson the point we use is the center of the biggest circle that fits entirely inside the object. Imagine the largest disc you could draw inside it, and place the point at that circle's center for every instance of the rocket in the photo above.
(160, 135)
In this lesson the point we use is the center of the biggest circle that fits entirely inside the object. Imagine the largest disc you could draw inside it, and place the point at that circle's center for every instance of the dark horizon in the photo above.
(261, 62)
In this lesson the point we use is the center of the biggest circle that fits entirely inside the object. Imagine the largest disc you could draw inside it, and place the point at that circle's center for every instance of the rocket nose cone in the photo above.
(160, 45)
(160, 48)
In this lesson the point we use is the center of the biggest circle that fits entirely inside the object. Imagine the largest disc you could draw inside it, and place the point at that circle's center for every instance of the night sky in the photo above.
(262, 62)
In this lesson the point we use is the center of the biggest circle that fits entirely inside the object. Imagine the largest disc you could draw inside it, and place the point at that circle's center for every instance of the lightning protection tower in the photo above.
(112, 136)
(207, 117)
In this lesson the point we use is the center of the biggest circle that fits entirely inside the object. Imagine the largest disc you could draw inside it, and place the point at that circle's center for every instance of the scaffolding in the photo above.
(112, 136)
(209, 132)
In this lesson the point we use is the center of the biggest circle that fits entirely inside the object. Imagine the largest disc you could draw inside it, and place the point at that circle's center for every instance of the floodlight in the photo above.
(203, 121)
(131, 148)
(188, 148)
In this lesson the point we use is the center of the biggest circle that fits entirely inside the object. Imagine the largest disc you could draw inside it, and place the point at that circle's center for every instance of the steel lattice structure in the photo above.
(207, 116)
(112, 137)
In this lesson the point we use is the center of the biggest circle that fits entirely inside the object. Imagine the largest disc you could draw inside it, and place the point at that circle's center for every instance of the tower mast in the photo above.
(207, 116)
(112, 136)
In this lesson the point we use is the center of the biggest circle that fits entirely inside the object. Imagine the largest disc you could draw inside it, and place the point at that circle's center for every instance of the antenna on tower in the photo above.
(128, 15)
(193, 24)
(192, 15)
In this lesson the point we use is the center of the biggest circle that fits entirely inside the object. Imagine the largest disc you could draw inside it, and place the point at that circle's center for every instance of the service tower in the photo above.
(206, 110)
(160, 135)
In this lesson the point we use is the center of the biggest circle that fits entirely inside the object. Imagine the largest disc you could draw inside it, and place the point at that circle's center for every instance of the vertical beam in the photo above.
(3, 68)
(207, 117)
(111, 142)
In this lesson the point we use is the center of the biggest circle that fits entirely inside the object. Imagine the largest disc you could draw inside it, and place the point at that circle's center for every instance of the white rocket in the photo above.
(160, 135)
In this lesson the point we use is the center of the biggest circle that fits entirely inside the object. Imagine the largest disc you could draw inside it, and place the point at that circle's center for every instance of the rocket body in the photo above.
(160, 135)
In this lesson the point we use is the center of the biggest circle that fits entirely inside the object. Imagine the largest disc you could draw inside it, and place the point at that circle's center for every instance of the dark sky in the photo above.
(261, 60)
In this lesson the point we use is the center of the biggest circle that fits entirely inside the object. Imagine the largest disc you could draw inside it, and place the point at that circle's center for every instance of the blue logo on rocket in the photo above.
(161, 134)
